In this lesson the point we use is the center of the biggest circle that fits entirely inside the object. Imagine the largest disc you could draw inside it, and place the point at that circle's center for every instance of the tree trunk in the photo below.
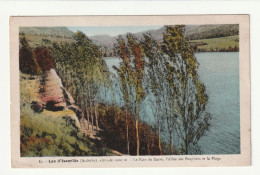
(137, 130)
(159, 140)
(137, 137)
(159, 131)
(92, 120)
(127, 139)
(171, 145)
(186, 146)
(96, 116)
(148, 148)
(88, 116)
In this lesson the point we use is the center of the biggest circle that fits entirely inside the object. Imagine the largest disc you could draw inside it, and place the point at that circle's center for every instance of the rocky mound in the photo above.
(51, 91)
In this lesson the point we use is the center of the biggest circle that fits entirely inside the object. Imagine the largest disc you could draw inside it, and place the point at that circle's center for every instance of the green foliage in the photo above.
(131, 75)
(59, 32)
(50, 133)
(223, 44)
(155, 82)
(81, 69)
(43, 135)
(138, 71)
(167, 70)
(192, 121)
(212, 31)
(178, 98)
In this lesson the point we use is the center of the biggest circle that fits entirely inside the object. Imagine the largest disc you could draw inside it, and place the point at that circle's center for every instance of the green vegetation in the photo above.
(165, 73)
(51, 133)
(171, 83)
(187, 94)
(83, 73)
(223, 44)
(211, 31)
(38, 40)
(58, 32)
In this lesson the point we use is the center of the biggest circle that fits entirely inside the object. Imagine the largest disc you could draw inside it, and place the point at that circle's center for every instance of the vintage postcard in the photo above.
(130, 91)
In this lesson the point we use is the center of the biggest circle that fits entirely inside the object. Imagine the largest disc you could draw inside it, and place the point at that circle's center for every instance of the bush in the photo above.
(44, 58)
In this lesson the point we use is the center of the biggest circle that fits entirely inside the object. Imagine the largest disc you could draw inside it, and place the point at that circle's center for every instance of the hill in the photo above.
(37, 36)
(197, 34)
(223, 44)
(211, 31)
(59, 32)
(194, 33)
(49, 131)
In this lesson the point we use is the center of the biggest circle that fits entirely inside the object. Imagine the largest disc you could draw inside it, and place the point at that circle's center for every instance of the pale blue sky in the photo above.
(112, 30)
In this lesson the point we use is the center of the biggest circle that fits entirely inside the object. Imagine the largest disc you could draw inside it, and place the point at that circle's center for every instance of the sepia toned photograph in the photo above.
(136, 91)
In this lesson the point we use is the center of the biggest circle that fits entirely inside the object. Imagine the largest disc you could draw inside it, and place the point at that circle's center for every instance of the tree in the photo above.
(44, 58)
(154, 79)
(131, 74)
(125, 74)
(137, 80)
(27, 61)
(192, 120)
(83, 71)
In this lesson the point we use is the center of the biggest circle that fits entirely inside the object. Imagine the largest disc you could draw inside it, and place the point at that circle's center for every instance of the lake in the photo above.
(219, 71)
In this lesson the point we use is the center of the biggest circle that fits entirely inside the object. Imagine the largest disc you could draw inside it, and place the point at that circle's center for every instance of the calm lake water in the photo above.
(220, 73)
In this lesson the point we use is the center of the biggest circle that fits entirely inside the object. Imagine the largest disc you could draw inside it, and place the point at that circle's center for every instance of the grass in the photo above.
(219, 43)
(36, 40)
(51, 133)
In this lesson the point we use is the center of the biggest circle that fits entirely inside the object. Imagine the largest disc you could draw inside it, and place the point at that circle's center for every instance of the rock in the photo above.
(51, 92)
(54, 97)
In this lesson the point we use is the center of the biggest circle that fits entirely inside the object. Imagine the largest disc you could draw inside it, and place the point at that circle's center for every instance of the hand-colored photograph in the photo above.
(129, 90)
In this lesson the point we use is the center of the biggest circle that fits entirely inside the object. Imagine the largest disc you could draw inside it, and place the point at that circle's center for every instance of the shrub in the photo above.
(44, 58)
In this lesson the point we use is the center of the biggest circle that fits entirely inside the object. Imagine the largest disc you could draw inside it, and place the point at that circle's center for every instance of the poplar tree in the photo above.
(125, 75)
(137, 80)
(192, 120)
(154, 79)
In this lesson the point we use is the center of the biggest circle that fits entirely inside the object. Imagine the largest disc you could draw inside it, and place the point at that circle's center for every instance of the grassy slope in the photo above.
(54, 31)
(36, 40)
(50, 133)
(220, 43)
(211, 31)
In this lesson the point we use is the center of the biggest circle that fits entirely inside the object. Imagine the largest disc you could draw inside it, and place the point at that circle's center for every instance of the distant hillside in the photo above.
(192, 32)
(62, 32)
(211, 31)
(104, 40)
(37, 36)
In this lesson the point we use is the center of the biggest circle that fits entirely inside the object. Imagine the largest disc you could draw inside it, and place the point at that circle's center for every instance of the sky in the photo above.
(112, 30)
